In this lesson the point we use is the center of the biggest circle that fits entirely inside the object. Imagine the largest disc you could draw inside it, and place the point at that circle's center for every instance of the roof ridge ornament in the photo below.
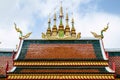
(61, 33)
(101, 36)
(21, 33)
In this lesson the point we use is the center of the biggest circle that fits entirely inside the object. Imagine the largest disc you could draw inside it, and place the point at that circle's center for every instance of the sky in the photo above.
(32, 16)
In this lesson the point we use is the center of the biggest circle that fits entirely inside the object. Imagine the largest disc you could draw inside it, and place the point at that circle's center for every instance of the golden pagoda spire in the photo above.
(49, 21)
(54, 18)
(67, 18)
(61, 27)
(48, 33)
(61, 10)
(61, 13)
(54, 29)
(73, 31)
(67, 28)
(72, 22)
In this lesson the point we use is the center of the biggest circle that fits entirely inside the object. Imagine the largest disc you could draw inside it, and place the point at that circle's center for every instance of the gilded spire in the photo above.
(72, 22)
(67, 18)
(61, 13)
(49, 21)
(61, 10)
(73, 31)
(54, 28)
(67, 28)
(48, 33)
(54, 18)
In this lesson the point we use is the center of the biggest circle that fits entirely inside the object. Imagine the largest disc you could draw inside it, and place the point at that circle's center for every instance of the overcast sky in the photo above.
(32, 16)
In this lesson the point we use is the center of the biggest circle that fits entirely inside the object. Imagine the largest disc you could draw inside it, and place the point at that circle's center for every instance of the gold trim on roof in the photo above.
(57, 63)
(61, 76)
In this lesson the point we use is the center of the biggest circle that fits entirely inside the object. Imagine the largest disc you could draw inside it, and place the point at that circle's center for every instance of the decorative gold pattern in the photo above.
(80, 63)
(62, 76)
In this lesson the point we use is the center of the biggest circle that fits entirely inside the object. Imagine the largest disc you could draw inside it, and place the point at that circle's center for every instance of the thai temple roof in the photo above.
(60, 54)
(60, 49)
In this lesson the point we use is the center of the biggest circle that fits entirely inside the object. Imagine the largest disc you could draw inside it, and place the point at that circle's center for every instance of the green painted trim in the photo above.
(6, 54)
(114, 54)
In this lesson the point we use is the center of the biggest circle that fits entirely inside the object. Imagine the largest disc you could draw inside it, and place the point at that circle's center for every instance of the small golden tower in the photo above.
(61, 27)
(67, 28)
(48, 33)
(73, 32)
(54, 29)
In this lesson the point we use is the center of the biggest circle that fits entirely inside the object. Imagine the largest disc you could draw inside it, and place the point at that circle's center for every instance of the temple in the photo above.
(61, 54)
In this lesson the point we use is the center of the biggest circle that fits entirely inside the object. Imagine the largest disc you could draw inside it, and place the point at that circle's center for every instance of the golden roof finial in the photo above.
(67, 18)
(72, 21)
(72, 18)
(100, 36)
(61, 10)
(54, 18)
(49, 19)
(66, 14)
(18, 30)
(21, 34)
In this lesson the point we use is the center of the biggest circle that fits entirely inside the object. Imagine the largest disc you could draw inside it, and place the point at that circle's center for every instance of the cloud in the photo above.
(96, 22)
(32, 16)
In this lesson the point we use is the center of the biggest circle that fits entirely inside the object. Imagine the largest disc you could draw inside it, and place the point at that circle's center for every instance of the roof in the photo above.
(61, 58)
(5, 56)
(114, 57)
(61, 49)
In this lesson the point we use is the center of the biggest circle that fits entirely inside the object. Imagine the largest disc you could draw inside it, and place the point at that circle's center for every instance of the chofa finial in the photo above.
(101, 36)
(21, 34)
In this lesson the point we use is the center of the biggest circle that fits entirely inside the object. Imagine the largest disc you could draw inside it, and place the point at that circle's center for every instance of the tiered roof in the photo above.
(61, 59)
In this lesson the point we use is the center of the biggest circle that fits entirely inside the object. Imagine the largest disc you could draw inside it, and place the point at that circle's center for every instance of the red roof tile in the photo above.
(36, 51)
(116, 60)
(3, 62)
(59, 70)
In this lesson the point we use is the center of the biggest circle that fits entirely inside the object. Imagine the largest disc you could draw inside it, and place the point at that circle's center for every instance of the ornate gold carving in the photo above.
(61, 76)
(21, 34)
(27, 35)
(101, 36)
(61, 33)
(57, 63)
